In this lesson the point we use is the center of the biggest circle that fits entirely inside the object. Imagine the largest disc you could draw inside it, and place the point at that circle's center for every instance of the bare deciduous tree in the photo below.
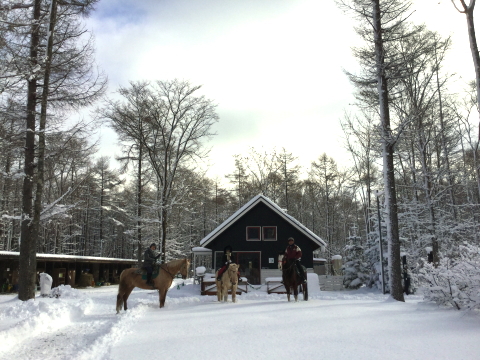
(175, 123)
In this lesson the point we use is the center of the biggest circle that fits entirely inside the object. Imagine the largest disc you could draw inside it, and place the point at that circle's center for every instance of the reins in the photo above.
(161, 267)
(165, 269)
(234, 272)
(229, 276)
(288, 268)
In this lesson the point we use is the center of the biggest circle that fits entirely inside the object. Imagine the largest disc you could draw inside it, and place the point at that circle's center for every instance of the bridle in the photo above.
(288, 269)
(285, 269)
(166, 269)
(185, 265)
(169, 273)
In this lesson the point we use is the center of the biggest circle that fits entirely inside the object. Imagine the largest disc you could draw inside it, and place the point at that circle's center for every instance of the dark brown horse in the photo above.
(292, 280)
(131, 278)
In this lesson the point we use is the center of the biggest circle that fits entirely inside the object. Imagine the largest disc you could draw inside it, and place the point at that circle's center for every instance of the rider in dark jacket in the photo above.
(149, 259)
(293, 252)
(226, 260)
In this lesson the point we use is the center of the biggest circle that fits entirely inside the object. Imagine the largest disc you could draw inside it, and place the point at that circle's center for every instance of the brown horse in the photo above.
(229, 281)
(130, 278)
(291, 280)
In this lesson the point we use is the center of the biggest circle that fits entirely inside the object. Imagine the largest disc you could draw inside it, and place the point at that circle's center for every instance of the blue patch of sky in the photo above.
(122, 11)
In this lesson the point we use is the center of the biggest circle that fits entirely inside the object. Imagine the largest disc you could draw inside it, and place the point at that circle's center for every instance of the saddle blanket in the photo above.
(143, 272)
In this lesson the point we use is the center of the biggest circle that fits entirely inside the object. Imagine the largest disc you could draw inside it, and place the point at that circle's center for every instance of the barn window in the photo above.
(253, 233)
(269, 233)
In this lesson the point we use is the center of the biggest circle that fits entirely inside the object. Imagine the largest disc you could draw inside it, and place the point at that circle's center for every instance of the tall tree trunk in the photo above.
(446, 155)
(102, 195)
(394, 261)
(468, 11)
(28, 246)
(5, 196)
(475, 56)
(427, 187)
(37, 208)
(139, 204)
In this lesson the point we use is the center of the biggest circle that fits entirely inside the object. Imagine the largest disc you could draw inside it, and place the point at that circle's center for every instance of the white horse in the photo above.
(229, 281)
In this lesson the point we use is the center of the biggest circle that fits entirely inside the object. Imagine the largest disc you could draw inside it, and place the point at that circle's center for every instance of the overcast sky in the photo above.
(274, 67)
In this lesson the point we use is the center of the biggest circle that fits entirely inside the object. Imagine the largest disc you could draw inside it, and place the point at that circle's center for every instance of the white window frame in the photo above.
(259, 232)
(263, 234)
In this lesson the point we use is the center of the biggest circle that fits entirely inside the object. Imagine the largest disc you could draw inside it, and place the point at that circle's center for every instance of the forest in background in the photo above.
(56, 189)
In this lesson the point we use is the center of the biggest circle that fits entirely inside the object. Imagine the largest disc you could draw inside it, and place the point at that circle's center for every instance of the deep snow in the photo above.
(362, 324)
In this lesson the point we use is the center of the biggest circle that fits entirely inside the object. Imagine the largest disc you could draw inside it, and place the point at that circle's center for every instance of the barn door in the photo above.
(249, 266)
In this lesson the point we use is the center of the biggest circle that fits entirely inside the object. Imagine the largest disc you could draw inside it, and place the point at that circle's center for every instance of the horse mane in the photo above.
(175, 262)
(289, 266)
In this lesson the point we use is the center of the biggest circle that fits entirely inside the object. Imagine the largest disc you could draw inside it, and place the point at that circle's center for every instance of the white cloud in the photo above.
(273, 68)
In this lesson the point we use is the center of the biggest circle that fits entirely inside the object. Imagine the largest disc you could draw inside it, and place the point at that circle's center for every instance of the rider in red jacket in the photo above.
(293, 252)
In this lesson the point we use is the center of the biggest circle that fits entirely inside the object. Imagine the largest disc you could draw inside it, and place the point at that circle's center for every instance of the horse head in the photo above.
(288, 270)
(232, 273)
(184, 269)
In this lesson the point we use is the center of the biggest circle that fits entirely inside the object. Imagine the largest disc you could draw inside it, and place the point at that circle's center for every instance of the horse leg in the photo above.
(163, 296)
(225, 294)
(288, 292)
(219, 291)
(126, 294)
(295, 292)
(234, 294)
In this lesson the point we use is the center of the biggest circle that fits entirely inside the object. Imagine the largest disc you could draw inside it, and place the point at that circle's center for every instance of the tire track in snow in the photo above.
(121, 325)
(49, 328)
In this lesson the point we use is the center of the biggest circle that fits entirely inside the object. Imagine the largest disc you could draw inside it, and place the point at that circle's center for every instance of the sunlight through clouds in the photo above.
(275, 69)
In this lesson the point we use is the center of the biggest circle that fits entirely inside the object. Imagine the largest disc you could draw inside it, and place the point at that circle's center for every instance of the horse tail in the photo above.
(121, 291)
(119, 302)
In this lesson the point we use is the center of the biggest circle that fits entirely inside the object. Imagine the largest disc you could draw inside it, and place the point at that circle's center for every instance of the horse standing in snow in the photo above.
(292, 280)
(229, 281)
(131, 278)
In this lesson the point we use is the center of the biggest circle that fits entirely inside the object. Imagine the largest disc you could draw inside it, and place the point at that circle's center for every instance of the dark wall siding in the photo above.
(262, 215)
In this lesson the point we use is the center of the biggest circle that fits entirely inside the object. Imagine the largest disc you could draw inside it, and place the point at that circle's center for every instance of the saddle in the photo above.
(296, 268)
(304, 270)
(143, 272)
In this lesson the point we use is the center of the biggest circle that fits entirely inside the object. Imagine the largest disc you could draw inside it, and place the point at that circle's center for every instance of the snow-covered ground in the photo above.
(363, 324)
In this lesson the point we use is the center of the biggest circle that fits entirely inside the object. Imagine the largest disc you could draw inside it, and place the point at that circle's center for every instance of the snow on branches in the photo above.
(455, 281)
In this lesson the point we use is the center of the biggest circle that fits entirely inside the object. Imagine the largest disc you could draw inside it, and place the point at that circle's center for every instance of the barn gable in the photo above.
(247, 207)
(258, 233)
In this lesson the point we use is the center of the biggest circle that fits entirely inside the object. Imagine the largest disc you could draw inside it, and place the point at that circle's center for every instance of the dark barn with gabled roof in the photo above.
(258, 233)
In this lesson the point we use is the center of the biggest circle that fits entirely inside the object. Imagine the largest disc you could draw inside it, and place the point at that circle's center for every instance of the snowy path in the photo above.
(70, 330)
(82, 324)
(320, 328)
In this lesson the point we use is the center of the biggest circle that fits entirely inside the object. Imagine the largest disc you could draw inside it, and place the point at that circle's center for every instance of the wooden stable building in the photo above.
(66, 269)
(258, 233)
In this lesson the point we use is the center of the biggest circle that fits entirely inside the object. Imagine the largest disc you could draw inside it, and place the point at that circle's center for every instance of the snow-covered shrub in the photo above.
(355, 271)
(455, 281)
(372, 258)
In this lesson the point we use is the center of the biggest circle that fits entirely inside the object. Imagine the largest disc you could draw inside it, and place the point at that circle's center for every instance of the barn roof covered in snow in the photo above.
(274, 207)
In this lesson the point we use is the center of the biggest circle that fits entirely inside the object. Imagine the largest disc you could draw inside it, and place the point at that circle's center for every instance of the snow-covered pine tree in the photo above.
(355, 269)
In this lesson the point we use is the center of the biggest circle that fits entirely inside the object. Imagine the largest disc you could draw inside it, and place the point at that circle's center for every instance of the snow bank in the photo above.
(83, 325)
(25, 319)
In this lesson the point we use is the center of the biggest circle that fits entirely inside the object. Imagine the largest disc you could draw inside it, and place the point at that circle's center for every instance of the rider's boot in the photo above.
(149, 279)
(304, 279)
